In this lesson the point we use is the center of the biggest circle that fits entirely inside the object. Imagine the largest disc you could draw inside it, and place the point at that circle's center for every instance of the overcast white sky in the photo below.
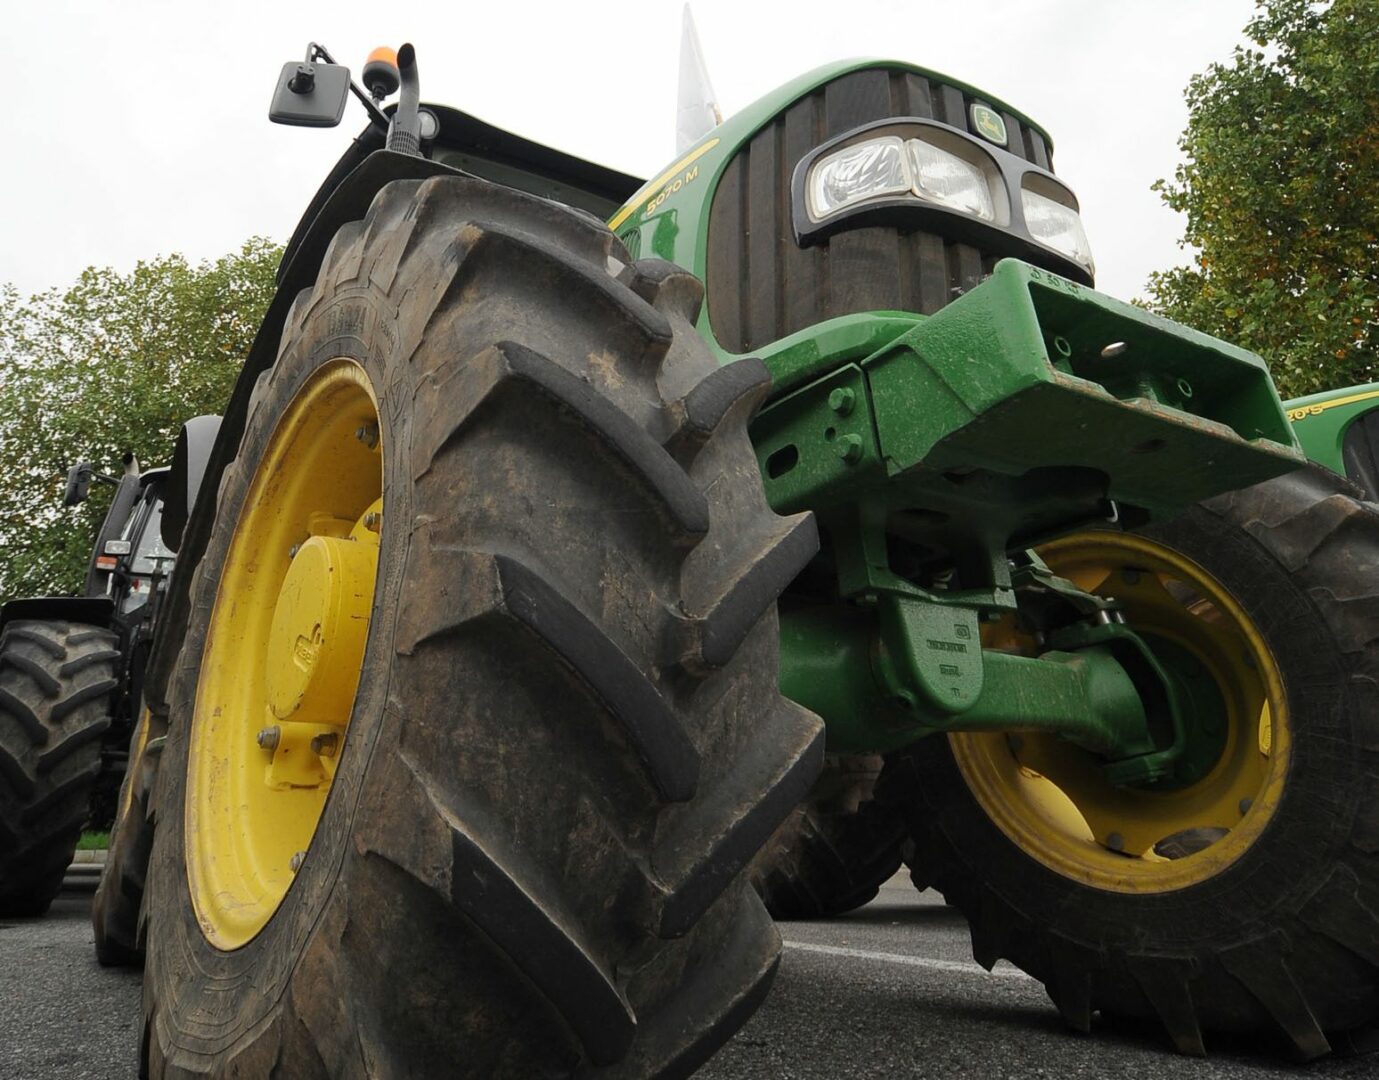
(139, 127)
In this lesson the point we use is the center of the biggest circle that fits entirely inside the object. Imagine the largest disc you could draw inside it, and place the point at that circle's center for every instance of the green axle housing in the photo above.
(942, 407)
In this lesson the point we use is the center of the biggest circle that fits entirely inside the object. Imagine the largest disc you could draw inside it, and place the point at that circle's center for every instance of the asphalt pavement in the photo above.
(888, 991)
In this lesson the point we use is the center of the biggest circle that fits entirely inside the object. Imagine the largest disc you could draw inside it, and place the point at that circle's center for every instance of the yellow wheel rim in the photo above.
(1052, 799)
(283, 654)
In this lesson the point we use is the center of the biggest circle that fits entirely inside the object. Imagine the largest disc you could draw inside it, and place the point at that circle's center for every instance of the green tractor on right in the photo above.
(562, 527)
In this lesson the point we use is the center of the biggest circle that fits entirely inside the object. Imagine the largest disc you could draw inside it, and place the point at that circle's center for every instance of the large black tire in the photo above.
(56, 679)
(1282, 942)
(568, 742)
(838, 847)
(117, 910)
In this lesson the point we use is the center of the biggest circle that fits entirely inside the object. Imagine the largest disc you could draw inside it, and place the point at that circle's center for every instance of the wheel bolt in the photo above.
(1245, 805)
(842, 400)
(371, 520)
(268, 737)
(326, 744)
(292, 551)
(849, 448)
(295, 863)
(368, 435)
(1115, 842)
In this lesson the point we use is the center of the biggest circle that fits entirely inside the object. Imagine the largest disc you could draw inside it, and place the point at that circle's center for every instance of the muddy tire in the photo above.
(1281, 942)
(117, 910)
(567, 742)
(838, 847)
(56, 680)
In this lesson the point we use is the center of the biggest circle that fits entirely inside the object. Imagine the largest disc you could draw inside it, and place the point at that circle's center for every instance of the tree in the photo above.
(1281, 190)
(114, 364)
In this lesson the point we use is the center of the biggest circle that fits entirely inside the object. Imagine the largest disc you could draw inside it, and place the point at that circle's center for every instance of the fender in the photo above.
(189, 459)
(96, 610)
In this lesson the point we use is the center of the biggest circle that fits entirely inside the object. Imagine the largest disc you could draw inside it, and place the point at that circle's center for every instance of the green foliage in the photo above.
(1281, 192)
(116, 363)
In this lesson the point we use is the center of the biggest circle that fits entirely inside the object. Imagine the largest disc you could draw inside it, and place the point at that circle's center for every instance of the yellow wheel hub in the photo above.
(1053, 800)
(283, 654)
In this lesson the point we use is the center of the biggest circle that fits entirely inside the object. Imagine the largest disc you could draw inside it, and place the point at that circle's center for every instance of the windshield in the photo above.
(152, 555)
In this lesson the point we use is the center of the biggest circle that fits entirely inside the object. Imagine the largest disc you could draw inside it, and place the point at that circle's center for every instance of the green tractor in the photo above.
(544, 559)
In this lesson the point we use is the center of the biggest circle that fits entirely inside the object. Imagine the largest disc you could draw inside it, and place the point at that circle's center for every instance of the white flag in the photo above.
(698, 112)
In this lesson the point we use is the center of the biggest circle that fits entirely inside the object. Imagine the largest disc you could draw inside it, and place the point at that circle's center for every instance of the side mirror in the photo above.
(78, 483)
(310, 94)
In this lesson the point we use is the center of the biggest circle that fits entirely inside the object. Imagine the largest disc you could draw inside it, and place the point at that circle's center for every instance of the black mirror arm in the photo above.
(316, 52)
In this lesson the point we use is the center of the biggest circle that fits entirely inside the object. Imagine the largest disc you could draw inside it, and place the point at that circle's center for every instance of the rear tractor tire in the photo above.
(519, 845)
(56, 681)
(835, 851)
(1244, 899)
(117, 911)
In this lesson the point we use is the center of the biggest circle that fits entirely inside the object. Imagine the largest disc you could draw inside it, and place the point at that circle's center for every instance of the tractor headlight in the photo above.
(864, 171)
(913, 173)
(1052, 221)
(891, 166)
(950, 180)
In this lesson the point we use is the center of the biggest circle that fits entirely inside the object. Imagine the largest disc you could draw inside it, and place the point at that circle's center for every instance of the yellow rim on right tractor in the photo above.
(1053, 799)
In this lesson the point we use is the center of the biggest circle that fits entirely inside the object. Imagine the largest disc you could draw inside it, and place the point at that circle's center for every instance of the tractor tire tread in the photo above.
(54, 710)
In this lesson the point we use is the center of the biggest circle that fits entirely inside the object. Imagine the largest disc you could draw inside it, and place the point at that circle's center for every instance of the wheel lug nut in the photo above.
(1245, 805)
(326, 744)
(292, 551)
(268, 737)
(1115, 842)
(295, 863)
(371, 521)
(368, 435)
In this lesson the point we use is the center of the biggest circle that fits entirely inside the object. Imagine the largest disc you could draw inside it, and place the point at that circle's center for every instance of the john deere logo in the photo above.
(989, 124)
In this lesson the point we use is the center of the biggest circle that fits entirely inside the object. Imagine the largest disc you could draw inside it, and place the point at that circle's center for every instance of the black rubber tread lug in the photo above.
(90, 633)
(91, 692)
(1260, 967)
(23, 713)
(688, 422)
(502, 247)
(1337, 911)
(43, 641)
(715, 634)
(1070, 989)
(542, 950)
(60, 793)
(990, 932)
(668, 287)
(13, 772)
(670, 1051)
(758, 805)
(76, 740)
(1166, 982)
(652, 728)
(470, 384)
(47, 684)
(92, 659)
(707, 404)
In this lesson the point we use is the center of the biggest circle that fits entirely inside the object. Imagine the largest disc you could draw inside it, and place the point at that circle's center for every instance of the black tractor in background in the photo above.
(71, 674)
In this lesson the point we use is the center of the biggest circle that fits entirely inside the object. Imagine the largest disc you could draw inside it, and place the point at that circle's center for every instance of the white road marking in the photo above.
(957, 967)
